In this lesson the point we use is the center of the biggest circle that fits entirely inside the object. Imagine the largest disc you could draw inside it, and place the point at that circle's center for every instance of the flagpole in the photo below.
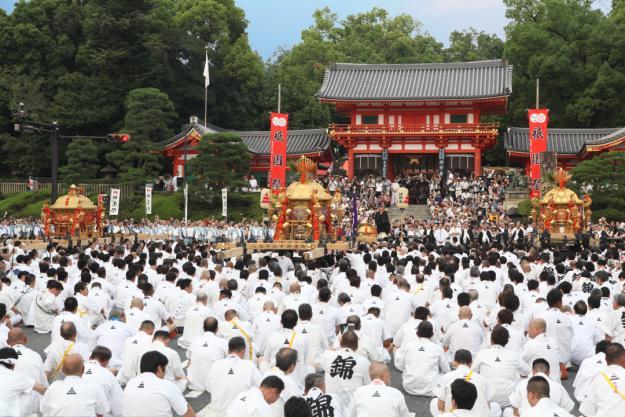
(537, 93)
(186, 201)
(185, 184)
(205, 86)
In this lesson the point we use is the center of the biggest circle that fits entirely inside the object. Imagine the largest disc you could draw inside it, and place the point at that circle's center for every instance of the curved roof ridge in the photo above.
(419, 65)
(417, 81)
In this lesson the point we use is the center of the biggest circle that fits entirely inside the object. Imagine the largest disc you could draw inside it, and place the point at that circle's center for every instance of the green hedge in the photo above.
(240, 205)
(23, 204)
(163, 205)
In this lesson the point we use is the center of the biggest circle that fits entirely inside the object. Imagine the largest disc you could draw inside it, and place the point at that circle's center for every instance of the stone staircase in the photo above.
(419, 211)
(514, 197)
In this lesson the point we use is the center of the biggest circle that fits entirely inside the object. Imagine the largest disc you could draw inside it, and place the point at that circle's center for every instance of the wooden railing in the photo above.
(450, 129)
(90, 189)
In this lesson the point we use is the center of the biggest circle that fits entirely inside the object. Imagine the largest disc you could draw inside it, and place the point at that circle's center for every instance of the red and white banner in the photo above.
(538, 120)
(277, 162)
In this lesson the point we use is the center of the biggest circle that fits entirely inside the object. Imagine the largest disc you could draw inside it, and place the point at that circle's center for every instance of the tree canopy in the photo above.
(605, 174)
(101, 66)
(82, 162)
(223, 161)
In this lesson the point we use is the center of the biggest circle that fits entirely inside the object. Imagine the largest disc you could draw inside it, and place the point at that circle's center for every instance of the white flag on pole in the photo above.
(148, 199)
(114, 208)
(224, 202)
(206, 77)
(186, 201)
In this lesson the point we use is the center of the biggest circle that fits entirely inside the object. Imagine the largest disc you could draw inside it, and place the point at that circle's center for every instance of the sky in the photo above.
(279, 23)
(439, 17)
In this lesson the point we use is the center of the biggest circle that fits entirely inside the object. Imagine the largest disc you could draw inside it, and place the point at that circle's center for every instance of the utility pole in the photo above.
(24, 124)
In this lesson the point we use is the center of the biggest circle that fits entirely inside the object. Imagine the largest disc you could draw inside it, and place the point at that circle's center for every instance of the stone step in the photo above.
(418, 211)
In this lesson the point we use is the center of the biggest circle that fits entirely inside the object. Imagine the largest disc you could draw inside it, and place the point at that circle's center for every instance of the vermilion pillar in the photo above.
(350, 159)
(477, 163)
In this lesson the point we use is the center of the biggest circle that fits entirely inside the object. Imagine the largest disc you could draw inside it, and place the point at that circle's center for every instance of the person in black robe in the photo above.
(382, 222)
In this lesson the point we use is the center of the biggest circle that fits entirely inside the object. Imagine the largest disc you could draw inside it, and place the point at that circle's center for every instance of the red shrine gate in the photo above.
(416, 116)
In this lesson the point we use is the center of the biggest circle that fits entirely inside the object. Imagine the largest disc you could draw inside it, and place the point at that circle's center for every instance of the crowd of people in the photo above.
(487, 329)
(462, 208)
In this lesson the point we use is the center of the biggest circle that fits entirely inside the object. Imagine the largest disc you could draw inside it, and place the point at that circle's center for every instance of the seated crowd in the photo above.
(485, 328)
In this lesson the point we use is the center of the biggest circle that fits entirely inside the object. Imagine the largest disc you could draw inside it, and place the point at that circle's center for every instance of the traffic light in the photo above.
(118, 137)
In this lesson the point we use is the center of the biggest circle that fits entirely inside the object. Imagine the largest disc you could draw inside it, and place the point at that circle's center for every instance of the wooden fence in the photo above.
(90, 189)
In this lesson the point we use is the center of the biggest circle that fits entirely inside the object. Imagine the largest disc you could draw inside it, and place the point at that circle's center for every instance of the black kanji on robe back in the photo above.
(343, 367)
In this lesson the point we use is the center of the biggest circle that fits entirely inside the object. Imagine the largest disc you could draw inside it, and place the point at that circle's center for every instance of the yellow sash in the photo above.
(611, 384)
(65, 354)
(292, 339)
(246, 336)
(466, 378)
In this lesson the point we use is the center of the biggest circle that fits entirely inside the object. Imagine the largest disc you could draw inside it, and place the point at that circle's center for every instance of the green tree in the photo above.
(552, 40)
(606, 175)
(23, 152)
(82, 162)
(223, 161)
(371, 37)
(235, 96)
(471, 45)
(150, 115)
(148, 119)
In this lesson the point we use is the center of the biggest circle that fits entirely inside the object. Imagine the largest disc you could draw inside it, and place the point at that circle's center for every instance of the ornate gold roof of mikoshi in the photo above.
(561, 194)
(305, 188)
(305, 191)
(299, 191)
(73, 200)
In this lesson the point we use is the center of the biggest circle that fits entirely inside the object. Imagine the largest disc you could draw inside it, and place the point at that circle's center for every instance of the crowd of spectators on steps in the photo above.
(455, 199)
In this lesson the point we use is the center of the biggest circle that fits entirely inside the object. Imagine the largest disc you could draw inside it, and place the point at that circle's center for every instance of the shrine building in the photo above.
(312, 143)
(416, 117)
(570, 145)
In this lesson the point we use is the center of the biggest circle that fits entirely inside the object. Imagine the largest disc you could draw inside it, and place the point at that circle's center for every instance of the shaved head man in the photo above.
(74, 365)
(463, 334)
(542, 346)
(536, 327)
(16, 336)
(72, 396)
(465, 313)
(379, 398)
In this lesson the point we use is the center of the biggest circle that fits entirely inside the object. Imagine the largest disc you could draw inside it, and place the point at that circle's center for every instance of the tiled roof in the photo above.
(618, 134)
(200, 128)
(299, 141)
(562, 141)
(459, 80)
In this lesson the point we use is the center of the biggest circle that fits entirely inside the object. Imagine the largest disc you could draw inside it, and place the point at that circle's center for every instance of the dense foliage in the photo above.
(604, 177)
(223, 161)
(103, 66)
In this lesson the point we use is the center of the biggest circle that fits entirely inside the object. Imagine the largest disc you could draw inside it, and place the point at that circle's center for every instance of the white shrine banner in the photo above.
(224, 202)
(114, 208)
(148, 199)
